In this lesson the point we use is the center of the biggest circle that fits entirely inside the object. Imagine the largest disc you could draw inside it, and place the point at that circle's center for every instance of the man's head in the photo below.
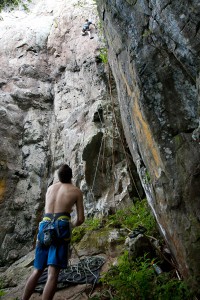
(86, 20)
(65, 174)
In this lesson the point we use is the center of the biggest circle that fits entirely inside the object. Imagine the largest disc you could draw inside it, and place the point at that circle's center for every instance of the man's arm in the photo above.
(80, 210)
(91, 23)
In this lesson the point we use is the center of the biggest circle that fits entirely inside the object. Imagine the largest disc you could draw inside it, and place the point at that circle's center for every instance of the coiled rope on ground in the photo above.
(85, 271)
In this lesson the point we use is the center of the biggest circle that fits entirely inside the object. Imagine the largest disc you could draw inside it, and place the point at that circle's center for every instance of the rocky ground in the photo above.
(14, 278)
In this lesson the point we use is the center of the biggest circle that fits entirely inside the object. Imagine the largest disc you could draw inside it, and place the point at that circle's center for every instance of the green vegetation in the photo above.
(77, 234)
(147, 177)
(90, 224)
(79, 3)
(137, 280)
(103, 55)
(2, 293)
(134, 279)
(100, 30)
(13, 3)
(129, 218)
(138, 214)
(147, 32)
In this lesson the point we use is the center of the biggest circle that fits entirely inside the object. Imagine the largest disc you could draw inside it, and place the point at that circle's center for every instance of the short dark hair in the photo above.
(86, 20)
(65, 174)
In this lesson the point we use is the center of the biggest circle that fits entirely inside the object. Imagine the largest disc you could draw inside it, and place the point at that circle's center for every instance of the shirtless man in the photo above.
(60, 198)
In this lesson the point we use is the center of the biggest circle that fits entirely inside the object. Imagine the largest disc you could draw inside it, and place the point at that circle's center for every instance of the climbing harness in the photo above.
(50, 233)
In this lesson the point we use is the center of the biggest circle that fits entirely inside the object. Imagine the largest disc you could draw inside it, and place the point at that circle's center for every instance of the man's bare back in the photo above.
(61, 197)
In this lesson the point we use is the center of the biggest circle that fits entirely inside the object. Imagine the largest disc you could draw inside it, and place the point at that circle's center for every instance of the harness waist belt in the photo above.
(56, 216)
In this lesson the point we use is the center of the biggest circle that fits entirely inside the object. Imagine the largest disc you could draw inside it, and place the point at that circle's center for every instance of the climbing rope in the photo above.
(86, 270)
(95, 174)
(98, 159)
(114, 126)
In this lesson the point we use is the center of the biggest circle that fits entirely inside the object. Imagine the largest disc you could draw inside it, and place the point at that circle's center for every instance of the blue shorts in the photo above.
(56, 254)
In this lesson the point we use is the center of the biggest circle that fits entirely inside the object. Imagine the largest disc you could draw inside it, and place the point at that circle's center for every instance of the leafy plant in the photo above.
(136, 215)
(77, 234)
(90, 224)
(103, 55)
(79, 3)
(131, 217)
(134, 280)
(171, 288)
(137, 280)
(13, 3)
(147, 178)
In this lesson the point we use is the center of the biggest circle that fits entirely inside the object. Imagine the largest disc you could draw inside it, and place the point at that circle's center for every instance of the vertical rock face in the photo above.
(153, 49)
(57, 104)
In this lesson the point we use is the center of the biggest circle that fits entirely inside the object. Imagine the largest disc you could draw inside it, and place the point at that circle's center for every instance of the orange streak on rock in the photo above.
(2, 189)
(143, 131)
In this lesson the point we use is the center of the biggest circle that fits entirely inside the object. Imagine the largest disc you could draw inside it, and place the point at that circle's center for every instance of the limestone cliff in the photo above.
(59, 103)
(55, 106)
(153, 49)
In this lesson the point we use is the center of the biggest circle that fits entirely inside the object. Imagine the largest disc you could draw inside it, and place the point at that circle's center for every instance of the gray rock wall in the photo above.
(58, 104)
(153, 50)
(55, 107)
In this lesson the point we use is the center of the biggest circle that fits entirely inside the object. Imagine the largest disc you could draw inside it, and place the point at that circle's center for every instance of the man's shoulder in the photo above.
(76, 191)
(75, 188)
(54, 185)
(70, 187)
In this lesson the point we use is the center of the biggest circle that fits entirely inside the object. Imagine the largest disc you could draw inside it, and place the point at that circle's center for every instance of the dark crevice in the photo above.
(186, 23)
(167, 4)
(31, 49)
(184, 68)
(103, 15)
(190, 130)
(197, 28)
